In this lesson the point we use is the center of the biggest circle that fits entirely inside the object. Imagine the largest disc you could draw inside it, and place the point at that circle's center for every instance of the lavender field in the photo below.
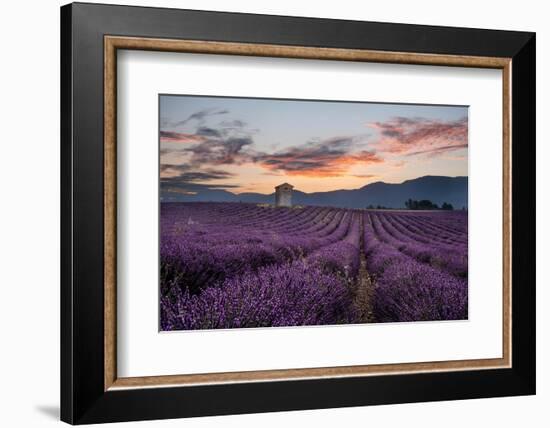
(238, 265)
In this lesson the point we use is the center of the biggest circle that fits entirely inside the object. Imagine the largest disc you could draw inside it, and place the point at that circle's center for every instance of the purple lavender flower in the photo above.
(236, 265)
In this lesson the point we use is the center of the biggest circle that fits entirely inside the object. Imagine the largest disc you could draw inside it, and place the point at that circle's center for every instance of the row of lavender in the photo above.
(227, 265)
(419, 265)
(241, 265)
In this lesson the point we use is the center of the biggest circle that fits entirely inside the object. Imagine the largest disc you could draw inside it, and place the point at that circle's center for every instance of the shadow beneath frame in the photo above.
(51, 411)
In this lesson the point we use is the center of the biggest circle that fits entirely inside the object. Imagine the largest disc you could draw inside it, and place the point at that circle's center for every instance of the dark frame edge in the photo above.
(66, 129)
(524, 214)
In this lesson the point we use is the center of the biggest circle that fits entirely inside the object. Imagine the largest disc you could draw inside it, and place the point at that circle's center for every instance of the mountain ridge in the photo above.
(436, 188)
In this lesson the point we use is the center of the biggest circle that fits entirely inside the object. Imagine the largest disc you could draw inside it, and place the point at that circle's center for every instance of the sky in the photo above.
(252, 145)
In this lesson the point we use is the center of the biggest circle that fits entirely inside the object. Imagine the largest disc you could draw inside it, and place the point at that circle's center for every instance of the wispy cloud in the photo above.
(233, 124)
(179, 137)
(200, 116)
(189, 181)
(419, 136)
(232, 143)
(213, 145)
(184, 173)
(220, 151)
(326, 158)
(208, 132)
(365, 175)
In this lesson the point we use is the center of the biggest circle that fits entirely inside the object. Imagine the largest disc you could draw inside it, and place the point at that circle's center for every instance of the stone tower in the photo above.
(283, 195)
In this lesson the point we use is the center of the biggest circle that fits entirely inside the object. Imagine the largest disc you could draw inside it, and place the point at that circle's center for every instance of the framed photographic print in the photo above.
(265, 213)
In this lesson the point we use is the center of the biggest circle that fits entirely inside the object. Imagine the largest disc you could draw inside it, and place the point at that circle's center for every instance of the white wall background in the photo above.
(29, 218)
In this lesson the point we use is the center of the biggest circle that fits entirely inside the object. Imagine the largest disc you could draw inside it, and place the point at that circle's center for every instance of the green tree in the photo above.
(424, 204)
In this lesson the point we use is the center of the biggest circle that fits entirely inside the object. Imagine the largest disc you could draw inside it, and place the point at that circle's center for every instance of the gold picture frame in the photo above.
(114, 43)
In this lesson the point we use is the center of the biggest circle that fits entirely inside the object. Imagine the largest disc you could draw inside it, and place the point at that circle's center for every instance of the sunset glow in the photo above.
(251, 145)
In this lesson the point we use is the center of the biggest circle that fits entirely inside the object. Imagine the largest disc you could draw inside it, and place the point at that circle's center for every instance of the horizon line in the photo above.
(338, 190)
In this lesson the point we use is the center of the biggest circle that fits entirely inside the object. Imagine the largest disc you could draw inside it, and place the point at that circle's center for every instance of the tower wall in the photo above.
(283, 197)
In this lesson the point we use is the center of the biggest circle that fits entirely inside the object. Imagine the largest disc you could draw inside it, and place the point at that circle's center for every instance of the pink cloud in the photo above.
(180, 137)
(328, 158)
(418, 136)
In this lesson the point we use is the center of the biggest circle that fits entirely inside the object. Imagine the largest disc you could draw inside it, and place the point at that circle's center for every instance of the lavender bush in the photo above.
(410, 291)
(279, 295)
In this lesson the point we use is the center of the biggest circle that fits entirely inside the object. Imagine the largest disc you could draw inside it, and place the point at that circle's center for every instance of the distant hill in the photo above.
(438, 189)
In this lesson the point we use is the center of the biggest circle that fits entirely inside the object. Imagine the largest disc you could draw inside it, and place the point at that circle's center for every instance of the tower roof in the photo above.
(284, 184)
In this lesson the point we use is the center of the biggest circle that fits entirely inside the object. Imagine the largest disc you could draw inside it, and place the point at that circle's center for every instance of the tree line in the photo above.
(426, 204)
